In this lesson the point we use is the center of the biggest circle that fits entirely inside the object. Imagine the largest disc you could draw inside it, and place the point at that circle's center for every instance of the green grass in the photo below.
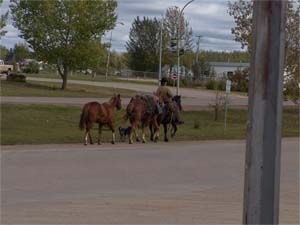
(46, 89)
(42, 124)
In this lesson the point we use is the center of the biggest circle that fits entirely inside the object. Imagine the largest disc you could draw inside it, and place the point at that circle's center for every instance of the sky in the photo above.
(208, 18)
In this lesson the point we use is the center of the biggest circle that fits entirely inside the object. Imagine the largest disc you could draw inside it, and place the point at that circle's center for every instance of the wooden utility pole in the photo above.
(262, 171)
(198, 48)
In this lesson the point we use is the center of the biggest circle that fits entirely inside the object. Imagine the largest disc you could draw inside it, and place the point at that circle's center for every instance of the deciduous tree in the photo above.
(65, 33)
(3, 19)
(21, 52)
(241, 11)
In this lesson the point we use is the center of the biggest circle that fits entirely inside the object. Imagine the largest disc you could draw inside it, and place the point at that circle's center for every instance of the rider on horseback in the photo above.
(165, 98)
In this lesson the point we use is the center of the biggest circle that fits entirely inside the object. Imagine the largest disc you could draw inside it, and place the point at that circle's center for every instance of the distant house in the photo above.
(167, 71)
(222, 69)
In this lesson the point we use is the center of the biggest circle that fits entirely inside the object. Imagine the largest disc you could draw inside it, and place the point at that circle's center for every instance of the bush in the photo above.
(16, 77)
(211, 85)
(292, 90)
(183, 82)
(222, 85)
(239, 80)
(32, 67)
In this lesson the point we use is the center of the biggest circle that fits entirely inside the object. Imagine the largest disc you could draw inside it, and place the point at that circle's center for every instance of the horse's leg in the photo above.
(155, 124)
(111, 126)
(132, 132)
(166, 132)
(143, 134)
(174, 130)
(136, 134)
(90, 136)
(151, 132)
(86, 136)
(99, 134)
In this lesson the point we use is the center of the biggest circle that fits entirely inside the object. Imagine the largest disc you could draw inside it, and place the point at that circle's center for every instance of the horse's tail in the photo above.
(83, 117)
(129, 111)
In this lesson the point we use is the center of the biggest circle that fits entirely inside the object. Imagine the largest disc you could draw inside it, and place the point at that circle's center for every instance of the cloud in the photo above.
(208, 18)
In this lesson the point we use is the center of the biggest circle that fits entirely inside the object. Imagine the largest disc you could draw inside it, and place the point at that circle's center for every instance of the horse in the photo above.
(167, 118)
(103, 114)
(142, 111)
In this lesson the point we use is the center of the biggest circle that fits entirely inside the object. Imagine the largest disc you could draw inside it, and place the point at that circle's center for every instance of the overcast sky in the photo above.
(208, 18)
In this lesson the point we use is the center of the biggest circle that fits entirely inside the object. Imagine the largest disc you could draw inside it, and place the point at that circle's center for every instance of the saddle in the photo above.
(151, 102)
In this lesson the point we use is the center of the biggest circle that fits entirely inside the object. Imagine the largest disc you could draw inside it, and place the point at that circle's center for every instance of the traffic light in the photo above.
(181, 51)
(174, 45)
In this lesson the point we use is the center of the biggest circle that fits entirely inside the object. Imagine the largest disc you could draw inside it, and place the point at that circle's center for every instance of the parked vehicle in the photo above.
(5, 68)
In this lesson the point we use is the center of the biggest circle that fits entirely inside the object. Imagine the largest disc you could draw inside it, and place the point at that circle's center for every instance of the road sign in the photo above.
(174, 76)
(228, 86)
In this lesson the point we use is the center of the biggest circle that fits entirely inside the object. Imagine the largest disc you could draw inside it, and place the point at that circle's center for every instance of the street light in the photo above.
(160, 49)
(108, 55)
(178, 36)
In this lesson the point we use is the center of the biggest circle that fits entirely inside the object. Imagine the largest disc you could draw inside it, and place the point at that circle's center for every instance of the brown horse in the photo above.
(142, 111)
(103, 114)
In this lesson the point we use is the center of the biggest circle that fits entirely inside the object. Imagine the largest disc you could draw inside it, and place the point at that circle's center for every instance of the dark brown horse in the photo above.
(103, 114)
(142, 111)
(168, 117)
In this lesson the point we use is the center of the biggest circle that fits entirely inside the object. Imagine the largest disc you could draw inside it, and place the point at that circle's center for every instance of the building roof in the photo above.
(229, 64)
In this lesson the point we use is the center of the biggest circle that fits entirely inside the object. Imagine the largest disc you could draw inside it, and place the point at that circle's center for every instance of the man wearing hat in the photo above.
(165, 96)
(163, 92)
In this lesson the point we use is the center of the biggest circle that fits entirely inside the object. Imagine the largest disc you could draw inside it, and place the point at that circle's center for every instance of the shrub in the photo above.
(239, 80)
(211, 85)
(16, 77)
(292, 90)
(222, 85)
(32, 67)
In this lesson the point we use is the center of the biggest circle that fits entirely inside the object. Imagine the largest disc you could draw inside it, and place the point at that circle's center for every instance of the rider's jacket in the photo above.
(164, 94)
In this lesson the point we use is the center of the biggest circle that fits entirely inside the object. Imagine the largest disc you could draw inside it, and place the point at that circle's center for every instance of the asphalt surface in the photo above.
(192, 99)
(175, 183)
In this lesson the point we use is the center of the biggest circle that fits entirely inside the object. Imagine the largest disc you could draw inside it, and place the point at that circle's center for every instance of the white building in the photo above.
(184, 72)
(222, 69)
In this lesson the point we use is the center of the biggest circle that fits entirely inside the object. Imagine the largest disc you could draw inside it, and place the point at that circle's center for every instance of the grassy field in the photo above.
(42, 124)
(46, 89)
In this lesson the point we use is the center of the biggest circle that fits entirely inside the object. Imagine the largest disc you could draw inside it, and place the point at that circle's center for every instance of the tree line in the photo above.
(70, 34)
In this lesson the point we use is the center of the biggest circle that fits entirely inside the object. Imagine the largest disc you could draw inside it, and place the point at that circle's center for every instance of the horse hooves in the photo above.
(85, 144)
(137, 140)
(143, 141)
(113, 142)
(166, 140)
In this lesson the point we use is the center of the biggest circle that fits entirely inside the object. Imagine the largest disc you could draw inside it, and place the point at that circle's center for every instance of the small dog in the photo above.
(123, 133)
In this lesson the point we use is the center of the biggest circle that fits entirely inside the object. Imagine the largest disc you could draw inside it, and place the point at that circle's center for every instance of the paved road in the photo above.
(183, 183)
(192, 98)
